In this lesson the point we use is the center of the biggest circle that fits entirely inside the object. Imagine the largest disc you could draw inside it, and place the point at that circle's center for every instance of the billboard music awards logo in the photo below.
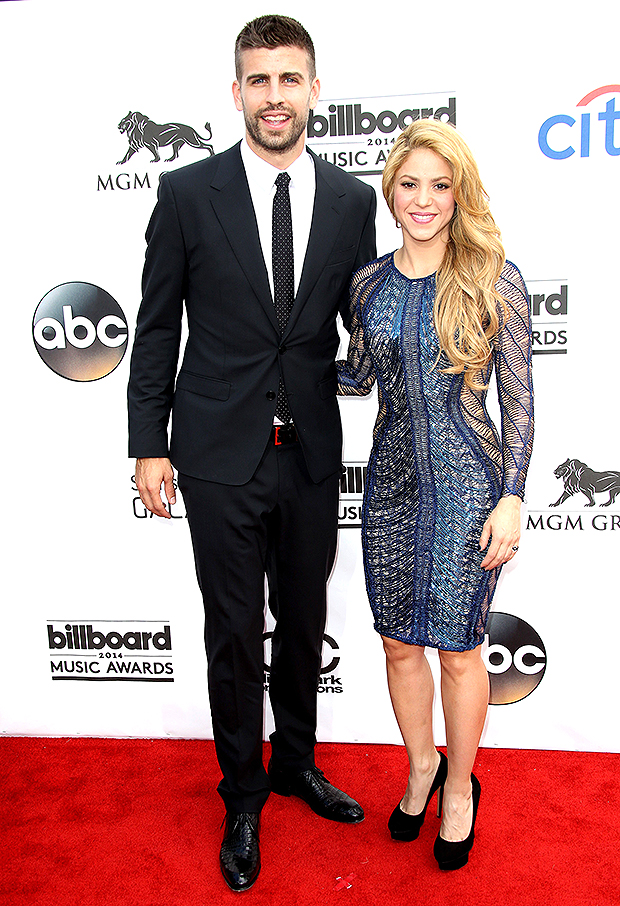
(80, 331)
(583, 487)
(126, 651)
(358, 133)
(142, 133)
(352, 484)
(328, 682)
(515, 658)
(549, 311)
(562, 135)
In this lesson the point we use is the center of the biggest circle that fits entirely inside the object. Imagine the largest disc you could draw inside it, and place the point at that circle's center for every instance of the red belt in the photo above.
(284, 434)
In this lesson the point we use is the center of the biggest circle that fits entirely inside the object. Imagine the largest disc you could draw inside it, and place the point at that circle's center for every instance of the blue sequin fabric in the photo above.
(437, 466)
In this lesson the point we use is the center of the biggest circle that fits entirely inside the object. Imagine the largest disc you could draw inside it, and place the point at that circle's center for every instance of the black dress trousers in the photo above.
(281, 525)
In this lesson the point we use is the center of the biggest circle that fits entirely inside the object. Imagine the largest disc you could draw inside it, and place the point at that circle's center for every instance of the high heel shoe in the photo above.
(407, 827)
(451, 855)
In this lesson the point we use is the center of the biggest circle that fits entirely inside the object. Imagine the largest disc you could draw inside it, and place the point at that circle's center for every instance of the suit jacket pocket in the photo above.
(204, 386)
(341, 256)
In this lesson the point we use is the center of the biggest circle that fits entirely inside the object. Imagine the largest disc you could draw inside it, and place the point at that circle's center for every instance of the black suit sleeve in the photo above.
(158, 331)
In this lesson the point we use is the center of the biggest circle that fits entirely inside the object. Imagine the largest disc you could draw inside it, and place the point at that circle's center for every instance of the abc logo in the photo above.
(80, 331)
(327, 640)
(515, 658)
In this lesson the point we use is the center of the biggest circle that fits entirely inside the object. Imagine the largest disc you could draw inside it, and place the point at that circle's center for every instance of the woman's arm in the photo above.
(356, 374)
(513, 366)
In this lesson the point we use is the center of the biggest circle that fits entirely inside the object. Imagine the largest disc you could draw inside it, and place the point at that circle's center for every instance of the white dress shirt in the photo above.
(261, 178)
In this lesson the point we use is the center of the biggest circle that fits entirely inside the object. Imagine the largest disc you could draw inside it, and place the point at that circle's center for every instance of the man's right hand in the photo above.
(151, 473)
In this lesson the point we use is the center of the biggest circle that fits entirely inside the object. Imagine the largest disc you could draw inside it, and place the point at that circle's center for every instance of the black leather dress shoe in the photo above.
(240, 852)
(322, 797)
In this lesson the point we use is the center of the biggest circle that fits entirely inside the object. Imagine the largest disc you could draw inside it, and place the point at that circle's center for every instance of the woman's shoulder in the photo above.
(368, 272)
(511, 285)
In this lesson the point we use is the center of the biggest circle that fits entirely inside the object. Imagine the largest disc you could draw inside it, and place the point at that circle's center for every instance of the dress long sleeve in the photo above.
(513, 370)
(356, 373)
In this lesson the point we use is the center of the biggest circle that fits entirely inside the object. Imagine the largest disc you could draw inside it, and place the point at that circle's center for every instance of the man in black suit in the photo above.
(263, 267)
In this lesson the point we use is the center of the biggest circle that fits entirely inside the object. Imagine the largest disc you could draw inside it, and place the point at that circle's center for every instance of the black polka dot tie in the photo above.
(283, 271)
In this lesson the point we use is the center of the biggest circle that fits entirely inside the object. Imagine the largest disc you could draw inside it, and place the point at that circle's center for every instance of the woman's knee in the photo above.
(400, 652)
(460, 664)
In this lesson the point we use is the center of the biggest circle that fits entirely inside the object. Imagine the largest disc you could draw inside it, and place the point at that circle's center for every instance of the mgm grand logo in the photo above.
(581, 481)
(142, 132)
(579, 478)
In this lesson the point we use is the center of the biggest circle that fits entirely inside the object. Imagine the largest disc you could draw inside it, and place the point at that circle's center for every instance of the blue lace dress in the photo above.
(437, 466)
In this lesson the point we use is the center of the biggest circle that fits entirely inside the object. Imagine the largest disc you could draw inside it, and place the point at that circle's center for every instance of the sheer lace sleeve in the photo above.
(356, 374)
(513, 369)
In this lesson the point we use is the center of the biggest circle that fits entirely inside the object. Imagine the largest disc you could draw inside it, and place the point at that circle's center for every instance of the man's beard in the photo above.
(279, 142)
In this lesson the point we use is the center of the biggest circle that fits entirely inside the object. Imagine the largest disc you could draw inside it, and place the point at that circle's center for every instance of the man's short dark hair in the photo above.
(274, 31)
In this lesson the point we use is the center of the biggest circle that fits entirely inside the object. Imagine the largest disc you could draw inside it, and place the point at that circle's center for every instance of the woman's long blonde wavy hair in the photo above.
(466, 310)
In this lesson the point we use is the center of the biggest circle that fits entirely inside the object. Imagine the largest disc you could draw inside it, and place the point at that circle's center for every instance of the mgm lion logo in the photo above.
(144, 133)
(577, 476)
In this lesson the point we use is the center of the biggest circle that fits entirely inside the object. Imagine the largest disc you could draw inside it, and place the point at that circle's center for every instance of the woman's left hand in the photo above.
(503, 527)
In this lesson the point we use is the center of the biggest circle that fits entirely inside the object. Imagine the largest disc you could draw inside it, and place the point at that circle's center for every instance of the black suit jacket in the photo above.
(204, 251)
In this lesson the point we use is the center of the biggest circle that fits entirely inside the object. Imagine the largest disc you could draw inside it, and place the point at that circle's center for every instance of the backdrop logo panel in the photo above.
(142, 133)
(358, 133)
(549, 310)
(328, 681)
(80, 331)
(584, 487)
(515, 658)
(594, 131)
(352, 484)
(580, 478)
(110, 651)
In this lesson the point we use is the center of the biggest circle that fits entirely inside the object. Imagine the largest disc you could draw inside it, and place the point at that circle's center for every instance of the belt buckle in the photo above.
(277, 441)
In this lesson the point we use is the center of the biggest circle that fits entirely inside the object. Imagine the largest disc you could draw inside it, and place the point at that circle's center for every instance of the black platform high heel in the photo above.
(407, 827)
(451, 855)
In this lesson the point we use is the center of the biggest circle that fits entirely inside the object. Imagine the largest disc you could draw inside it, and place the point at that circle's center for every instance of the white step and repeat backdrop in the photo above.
(102, 620)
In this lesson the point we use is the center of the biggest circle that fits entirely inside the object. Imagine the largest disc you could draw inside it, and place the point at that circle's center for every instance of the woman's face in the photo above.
(423, 199)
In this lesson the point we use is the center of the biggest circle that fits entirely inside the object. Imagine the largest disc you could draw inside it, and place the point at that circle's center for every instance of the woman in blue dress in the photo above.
(441, 511)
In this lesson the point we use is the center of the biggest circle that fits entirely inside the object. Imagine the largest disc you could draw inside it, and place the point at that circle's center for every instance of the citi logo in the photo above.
(349, 119)
(82, 637)
(556, 131)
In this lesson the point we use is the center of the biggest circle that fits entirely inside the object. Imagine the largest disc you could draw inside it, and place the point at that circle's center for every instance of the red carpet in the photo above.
(137, 822)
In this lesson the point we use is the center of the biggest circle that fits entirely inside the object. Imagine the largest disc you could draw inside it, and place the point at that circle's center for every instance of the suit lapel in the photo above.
(232, 204)
(327, 218)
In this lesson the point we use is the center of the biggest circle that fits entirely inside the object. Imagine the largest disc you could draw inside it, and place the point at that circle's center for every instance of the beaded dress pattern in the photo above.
(437, 466)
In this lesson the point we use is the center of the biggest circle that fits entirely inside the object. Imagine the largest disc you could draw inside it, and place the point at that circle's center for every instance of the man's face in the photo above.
(275, 93)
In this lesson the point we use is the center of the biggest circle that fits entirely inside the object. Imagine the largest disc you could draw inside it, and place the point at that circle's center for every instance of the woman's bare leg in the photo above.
(411, 686)
(465, 698)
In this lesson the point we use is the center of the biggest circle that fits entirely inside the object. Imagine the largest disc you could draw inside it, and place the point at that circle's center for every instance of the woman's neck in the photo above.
(419, 262)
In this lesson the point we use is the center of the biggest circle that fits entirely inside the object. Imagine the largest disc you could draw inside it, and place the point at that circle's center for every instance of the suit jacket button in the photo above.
(282, 350)
(271, 395)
